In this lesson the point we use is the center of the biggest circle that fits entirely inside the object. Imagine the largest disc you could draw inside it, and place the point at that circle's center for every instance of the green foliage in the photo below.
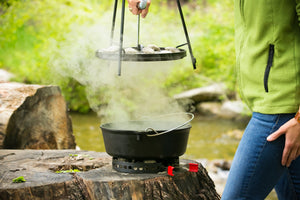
(74, 94)
(211, 30)
(28, 29)
(68, 171)
(19, 179)
(73, 155)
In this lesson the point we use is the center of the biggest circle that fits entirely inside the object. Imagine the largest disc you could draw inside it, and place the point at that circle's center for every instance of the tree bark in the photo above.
(96, 181)
(34, 117)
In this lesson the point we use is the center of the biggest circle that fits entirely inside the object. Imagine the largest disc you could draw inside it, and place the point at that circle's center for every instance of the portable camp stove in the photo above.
(143, 165)
(121, 55)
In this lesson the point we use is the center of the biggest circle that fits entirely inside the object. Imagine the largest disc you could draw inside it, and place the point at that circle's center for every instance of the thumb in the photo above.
(275, 135)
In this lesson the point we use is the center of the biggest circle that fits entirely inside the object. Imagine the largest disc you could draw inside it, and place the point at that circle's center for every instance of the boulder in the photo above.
(5, 76)
(209, 93)
(209, 109)
(34, 117)
(233, 110)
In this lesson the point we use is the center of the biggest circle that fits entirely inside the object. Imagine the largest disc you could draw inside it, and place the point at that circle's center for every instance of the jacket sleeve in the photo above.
(298, 10)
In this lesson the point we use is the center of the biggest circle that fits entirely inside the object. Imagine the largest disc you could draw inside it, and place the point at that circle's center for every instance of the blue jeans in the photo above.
(256, 168)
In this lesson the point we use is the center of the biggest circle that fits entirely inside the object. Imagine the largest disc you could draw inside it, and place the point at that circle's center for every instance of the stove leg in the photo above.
(186, 34)
(113, 22)
(121, 36)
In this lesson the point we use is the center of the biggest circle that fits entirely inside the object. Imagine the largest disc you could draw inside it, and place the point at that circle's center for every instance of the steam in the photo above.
(136, 94)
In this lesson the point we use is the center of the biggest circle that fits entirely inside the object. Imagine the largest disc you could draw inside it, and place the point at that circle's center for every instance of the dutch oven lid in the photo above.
(143, 57)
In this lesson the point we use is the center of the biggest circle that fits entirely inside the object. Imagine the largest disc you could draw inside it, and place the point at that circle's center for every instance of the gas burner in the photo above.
(143, 166)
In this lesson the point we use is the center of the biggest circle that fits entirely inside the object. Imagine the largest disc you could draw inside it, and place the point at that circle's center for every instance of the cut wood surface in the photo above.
(96, 179)
(34, 117)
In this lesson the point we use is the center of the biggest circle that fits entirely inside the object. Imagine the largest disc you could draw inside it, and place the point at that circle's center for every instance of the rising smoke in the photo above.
(137, 93)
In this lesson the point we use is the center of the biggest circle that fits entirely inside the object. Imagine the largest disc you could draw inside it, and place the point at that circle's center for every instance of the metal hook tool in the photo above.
(142, 5)
(139, 46)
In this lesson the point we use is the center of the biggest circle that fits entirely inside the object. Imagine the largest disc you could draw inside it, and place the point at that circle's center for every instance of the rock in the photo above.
(96, 179)
(211, 109)
(236, 134)
(209, 93)
(217, 174)
(233, 110)
(5, 76)
(34, 117)
(222, 164)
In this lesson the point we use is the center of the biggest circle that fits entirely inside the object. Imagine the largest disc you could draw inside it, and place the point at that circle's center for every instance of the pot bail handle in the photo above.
(172, 129)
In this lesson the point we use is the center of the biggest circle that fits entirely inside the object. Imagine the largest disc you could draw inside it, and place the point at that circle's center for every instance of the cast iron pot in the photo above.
(132, 139)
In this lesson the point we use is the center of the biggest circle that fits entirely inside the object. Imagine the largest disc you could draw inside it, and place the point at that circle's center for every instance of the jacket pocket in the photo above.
(268, 68)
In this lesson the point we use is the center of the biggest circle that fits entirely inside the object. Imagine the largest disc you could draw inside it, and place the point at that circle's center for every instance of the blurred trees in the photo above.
(29, 27)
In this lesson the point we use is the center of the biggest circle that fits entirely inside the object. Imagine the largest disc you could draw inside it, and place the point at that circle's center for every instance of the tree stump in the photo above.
(96, 179)
(34, 117)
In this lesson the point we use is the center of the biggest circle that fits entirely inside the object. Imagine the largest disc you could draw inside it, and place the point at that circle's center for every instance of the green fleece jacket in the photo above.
(268, 54)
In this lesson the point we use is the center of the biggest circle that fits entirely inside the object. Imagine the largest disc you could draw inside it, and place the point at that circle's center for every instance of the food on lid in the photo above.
(149, 49)
(154, 47)
(131, 50)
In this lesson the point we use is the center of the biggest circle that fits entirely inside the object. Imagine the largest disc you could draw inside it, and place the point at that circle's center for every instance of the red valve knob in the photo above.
(170, 170)
(193, 167)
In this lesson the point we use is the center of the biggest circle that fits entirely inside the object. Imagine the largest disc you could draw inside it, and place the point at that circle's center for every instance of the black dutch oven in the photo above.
(135, 140)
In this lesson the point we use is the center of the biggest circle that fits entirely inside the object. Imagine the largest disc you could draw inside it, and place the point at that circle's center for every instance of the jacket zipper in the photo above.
(268, 68)
(242, 9)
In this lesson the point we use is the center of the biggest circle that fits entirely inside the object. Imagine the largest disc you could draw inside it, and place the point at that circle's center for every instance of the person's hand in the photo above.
(133, 7)
(291, 151)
